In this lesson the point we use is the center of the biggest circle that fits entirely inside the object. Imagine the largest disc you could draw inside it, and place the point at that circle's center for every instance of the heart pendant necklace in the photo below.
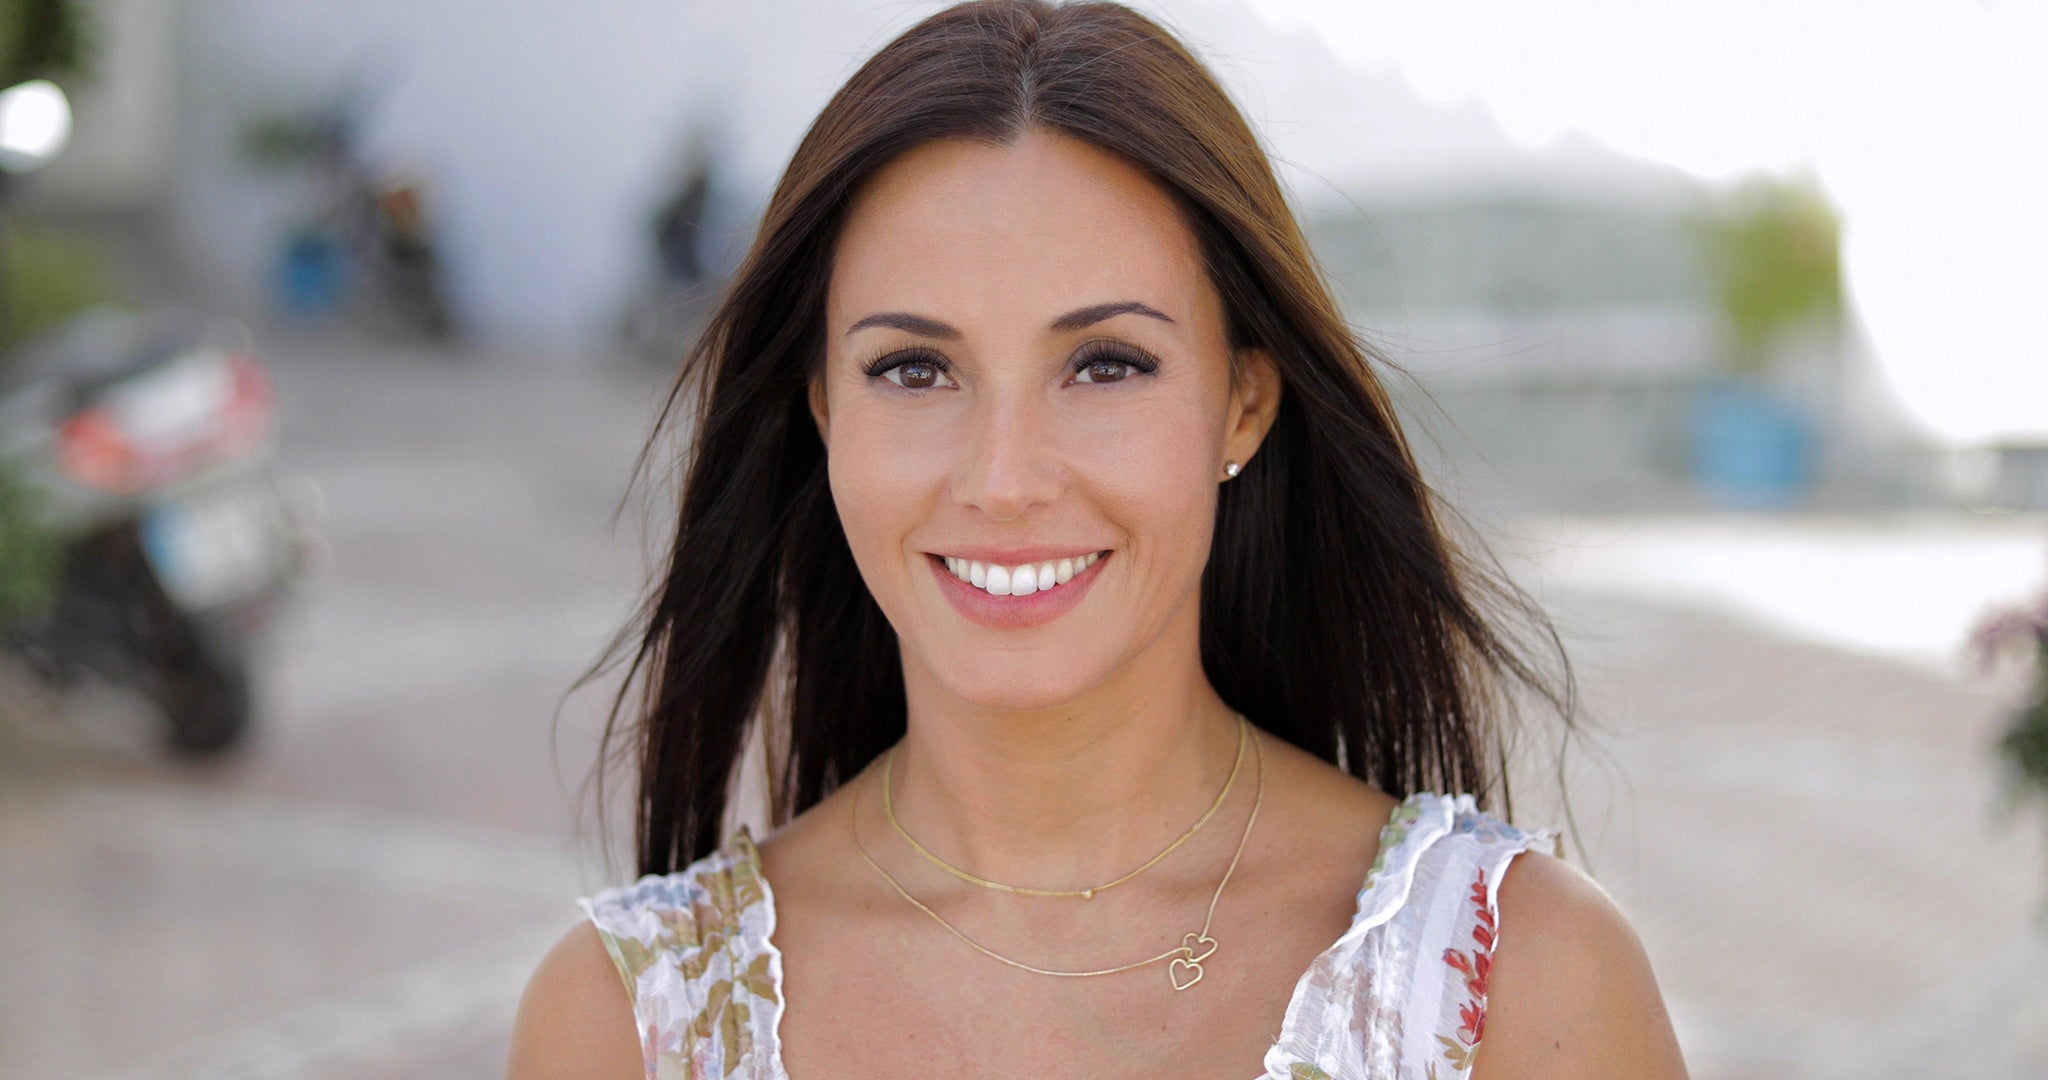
(1185, 967)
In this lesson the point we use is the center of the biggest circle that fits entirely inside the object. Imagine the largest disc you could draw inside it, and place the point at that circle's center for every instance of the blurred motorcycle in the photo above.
(149, 438)
(372, 237)
(134, 461)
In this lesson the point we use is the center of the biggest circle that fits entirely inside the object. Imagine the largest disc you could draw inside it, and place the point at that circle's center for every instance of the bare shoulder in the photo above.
(575, 1018)
(1317, 816)
(1331, 799)
(1571, 993)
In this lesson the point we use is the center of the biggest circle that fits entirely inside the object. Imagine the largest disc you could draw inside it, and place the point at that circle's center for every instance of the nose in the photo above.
(1009, 463)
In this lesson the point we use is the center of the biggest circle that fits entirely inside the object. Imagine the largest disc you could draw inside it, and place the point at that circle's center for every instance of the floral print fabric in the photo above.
(1400, 995)
(694, 949)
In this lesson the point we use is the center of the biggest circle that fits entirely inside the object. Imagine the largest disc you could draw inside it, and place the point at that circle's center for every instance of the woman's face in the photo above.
(1026, 369)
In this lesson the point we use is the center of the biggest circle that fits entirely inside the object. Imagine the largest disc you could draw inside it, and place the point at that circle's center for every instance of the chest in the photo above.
(906, 998)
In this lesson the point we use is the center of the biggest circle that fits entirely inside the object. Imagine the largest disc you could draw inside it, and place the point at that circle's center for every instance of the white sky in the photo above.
(1926, 121)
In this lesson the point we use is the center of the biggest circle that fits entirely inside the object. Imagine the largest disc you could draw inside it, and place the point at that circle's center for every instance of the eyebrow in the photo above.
(1077, 319)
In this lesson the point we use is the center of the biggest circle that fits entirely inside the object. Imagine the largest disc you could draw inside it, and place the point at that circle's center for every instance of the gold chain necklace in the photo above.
(1187, 963)
(889, 808)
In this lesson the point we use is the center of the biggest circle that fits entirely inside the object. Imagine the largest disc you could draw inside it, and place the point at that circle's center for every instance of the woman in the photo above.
(1131, 710)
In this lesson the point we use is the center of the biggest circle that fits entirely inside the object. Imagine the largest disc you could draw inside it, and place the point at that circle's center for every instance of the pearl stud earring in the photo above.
(1231, 467)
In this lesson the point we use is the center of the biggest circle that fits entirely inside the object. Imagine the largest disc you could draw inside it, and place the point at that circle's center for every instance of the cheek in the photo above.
(881, 486)
(1153, 478)
(1168, 508)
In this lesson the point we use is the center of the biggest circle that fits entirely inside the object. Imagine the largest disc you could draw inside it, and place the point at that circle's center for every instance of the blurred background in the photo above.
(329, 333)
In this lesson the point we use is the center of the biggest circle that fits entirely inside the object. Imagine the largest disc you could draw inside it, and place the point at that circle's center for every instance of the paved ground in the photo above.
(1796, 818)
(363, 891)
(1803, 837)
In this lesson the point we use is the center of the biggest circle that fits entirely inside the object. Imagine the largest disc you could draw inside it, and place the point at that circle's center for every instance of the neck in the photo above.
(1066, 797)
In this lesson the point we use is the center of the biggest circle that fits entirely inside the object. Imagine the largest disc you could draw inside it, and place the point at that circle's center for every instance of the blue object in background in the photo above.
(310, 275)
(1751, 448)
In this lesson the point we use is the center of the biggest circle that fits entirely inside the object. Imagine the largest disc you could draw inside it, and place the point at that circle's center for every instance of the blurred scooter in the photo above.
(149, 439)
(145, 441)
(370, 246)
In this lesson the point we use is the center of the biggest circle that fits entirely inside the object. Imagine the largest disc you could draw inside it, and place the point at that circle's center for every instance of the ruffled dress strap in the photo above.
(1402, 993)
(1452, 931)
(694, 950)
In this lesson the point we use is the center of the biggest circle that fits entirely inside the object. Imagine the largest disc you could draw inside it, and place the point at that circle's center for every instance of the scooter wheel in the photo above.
(207, 706)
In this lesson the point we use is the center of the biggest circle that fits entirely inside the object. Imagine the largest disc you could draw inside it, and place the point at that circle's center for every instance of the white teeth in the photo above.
(1019, 580)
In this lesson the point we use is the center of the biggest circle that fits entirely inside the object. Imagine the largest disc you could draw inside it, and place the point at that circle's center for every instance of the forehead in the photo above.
(971, 233)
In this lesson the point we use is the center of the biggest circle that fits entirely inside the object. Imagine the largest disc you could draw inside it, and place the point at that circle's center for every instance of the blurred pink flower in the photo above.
(2022, 628)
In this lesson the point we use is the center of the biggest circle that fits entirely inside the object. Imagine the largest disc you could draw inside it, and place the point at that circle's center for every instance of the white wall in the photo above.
(121, 117)
(549, 128)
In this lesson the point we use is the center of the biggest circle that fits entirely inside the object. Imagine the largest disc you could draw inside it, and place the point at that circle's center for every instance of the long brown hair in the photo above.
(1335, 611)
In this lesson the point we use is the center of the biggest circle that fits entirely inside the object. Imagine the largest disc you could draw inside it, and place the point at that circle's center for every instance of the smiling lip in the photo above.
(1017, 556)
(1014, 612)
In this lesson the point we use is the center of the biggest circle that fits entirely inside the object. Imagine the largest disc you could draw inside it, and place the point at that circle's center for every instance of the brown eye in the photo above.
(913, 370)
(1112, 364)
(1102, 371)
(917, 374)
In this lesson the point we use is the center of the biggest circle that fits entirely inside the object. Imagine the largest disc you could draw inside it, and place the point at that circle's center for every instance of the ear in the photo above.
(819, 414)
(1254, 404)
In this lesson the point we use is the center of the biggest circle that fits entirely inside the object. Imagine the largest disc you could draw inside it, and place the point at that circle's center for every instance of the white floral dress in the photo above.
(1401, 994)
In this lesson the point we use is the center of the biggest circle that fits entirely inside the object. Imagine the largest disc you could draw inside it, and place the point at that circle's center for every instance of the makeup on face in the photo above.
(1025, 400)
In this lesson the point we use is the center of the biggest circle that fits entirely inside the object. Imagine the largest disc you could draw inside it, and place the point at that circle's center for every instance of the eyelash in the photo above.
(1138, 360)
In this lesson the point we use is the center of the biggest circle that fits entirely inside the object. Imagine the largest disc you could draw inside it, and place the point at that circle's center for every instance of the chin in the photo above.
(1025, 690)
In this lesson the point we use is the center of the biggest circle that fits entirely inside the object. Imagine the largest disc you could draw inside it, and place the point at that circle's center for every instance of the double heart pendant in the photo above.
(1188, 965)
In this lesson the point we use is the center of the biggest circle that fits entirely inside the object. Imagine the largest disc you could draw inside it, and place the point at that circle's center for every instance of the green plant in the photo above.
(51, 275)
(30, 555)
(2023, 748)
(42, 39)
(1772, 251)
(281, 139)
(2024, 745)
(44, 282)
